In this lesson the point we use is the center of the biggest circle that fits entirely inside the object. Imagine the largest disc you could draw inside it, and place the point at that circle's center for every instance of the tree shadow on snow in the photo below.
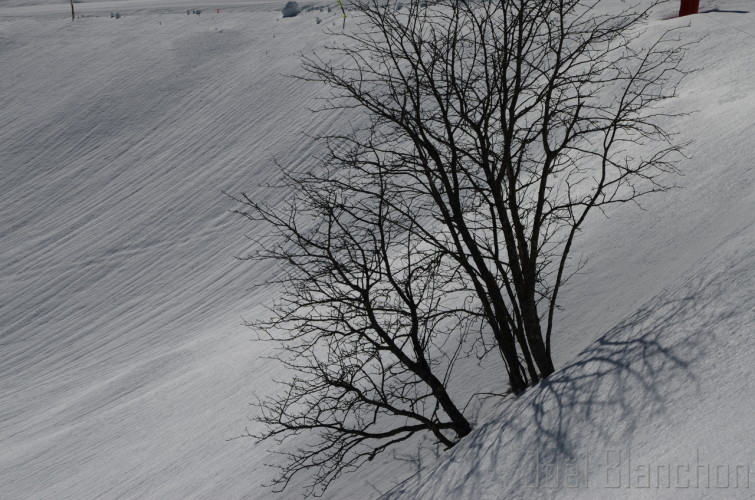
(605, 398)
(723, 11)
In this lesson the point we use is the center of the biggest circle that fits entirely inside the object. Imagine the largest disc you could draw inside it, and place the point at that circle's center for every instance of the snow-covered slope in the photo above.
(660, 407)
(123, 365)
(662, 404)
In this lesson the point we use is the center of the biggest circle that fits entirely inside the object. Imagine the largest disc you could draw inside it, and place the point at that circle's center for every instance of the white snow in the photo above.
(124, 367)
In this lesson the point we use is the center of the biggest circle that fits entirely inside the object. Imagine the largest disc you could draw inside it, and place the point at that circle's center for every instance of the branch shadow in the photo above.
(724, 11)
(633, 366)
(606, 397)
(632, 390)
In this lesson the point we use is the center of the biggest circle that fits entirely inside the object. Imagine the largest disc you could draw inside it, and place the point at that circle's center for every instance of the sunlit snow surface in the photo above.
(124, 367)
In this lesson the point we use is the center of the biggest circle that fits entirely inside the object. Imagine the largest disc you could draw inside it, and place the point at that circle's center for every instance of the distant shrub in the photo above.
(291, 9)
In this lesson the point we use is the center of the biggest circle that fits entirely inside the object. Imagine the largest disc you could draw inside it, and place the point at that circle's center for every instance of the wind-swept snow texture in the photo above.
(123, 365)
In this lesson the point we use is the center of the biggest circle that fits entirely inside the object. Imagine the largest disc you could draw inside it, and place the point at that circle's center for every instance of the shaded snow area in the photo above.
(124, 367)
(659, 407)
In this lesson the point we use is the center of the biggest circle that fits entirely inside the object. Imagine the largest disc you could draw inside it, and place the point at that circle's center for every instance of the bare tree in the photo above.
(368, 323)
(492, 131)
(514, 120)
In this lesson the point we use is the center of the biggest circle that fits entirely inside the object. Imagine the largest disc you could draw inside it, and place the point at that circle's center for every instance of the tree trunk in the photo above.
(534, 335)
(462, 427)
(689, 7)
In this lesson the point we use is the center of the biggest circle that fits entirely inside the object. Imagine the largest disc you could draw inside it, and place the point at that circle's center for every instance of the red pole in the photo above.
(689, 7)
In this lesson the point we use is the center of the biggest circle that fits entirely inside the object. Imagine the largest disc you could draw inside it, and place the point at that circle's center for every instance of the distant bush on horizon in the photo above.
(291, 9)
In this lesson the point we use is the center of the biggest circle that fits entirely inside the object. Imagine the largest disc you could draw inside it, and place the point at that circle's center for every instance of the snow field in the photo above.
(124, 367)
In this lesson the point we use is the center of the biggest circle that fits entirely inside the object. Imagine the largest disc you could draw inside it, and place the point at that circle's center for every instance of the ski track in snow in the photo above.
(123, 365)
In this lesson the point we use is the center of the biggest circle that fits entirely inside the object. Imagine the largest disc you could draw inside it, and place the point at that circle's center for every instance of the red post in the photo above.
(689, 7)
